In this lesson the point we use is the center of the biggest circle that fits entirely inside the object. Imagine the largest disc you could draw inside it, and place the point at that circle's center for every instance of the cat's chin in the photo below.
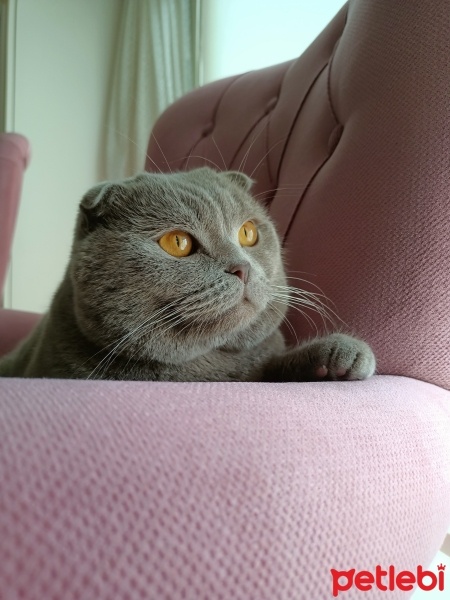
(232, 320)
(258, 328)
(237, 328)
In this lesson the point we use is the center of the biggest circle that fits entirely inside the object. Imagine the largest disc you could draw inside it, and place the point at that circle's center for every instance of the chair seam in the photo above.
(333, 111)
(294, 120)
(308, 185)
(213, 120)
(330, 99)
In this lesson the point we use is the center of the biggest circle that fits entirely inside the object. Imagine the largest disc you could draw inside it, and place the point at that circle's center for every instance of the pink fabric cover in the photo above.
(255, 491)
(14, 157)
(217, 491)
(350, 146)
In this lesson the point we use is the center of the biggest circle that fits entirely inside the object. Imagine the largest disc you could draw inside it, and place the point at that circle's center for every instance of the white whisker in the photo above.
(128, 335)
(286, 320)
(265, 155)
(286, 301)
(277, 190)
(160, 149)
(247, 153)
(221, 155)
(208, 160)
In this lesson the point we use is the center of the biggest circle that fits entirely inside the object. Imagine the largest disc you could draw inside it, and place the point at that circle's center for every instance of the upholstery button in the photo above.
(207, 129)
(271, 104)
(334, 138)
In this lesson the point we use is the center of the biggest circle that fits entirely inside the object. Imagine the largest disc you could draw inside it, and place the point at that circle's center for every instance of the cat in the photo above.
(177, 277)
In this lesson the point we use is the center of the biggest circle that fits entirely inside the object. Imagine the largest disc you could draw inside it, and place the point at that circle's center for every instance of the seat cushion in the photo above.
(217, 490)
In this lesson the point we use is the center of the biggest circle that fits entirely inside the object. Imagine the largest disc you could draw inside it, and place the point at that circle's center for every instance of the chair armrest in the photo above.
(14, 158)
(114, 489)
(15, 325)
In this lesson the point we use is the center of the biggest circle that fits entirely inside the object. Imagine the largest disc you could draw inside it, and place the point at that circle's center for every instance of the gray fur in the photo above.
(128, 310)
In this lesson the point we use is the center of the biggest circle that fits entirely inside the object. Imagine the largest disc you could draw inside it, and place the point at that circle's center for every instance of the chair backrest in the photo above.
(14, 157)
(350, 148)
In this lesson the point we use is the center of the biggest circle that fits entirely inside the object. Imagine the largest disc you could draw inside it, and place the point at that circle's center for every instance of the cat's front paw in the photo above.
(339, 357)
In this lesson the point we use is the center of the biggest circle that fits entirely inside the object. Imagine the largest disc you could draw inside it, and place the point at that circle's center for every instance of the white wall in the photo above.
(241, 35)
(60, 76)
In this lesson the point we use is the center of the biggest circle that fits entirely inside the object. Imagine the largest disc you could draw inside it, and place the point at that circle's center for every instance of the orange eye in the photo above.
(176, 243)
(248, 234)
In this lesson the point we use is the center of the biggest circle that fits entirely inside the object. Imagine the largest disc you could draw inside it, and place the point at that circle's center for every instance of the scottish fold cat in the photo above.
(177, 277)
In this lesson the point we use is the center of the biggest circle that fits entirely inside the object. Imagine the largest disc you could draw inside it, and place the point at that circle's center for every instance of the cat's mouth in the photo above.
(242, 309)
(232, 310)
(228, 317)
(255, 296)
(246, 308)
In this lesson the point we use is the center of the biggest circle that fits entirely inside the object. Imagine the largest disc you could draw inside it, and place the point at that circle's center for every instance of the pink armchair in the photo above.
(14, 158)
(257, 491)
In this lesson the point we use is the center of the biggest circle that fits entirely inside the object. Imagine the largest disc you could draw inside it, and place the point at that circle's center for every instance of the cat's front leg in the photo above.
(333, 357)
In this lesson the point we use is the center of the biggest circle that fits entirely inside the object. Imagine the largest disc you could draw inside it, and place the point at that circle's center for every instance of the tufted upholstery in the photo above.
(213, 491)
(349, 146)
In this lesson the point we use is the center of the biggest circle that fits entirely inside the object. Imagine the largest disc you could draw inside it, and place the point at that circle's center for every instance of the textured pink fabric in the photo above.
(350, 148)
(14, 156)
(217, 491)
(252, 491)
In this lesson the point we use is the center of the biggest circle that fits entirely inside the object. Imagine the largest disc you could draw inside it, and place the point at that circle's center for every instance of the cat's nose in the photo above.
(240, 271)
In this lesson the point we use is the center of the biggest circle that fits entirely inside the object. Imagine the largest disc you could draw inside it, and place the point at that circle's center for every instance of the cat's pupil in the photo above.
(178, 241)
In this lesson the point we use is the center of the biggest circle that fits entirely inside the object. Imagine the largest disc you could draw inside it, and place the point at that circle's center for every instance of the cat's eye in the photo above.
(176, 243)
(248, 234)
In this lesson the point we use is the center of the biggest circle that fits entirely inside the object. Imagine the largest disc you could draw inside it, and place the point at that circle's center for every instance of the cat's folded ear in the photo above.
(240, 179)
(101, 197)
(97, 202)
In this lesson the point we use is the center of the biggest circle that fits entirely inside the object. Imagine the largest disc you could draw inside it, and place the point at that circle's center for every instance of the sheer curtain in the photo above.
(156, 62)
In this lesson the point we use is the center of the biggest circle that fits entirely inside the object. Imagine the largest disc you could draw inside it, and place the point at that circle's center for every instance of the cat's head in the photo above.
(172, 266)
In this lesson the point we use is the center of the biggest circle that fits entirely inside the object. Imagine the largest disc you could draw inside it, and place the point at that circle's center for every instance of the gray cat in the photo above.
(177, 278)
